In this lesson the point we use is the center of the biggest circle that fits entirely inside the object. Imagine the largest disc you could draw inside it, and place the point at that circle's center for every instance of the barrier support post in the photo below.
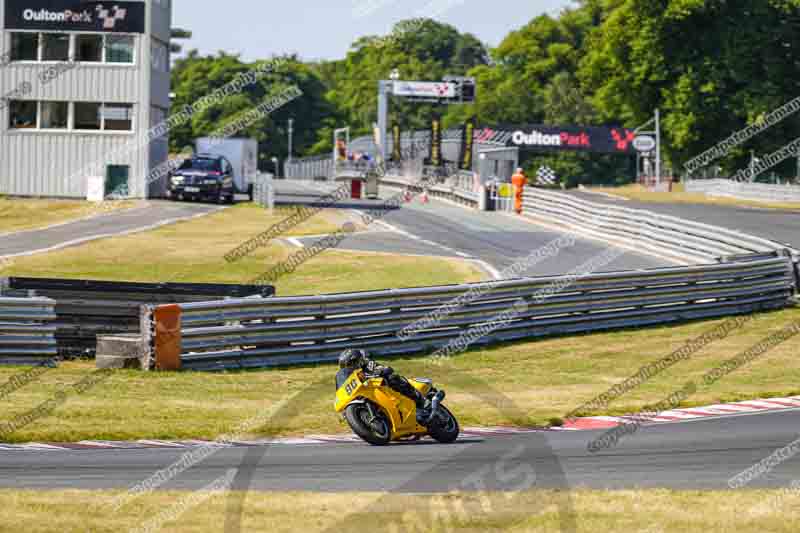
(167, 340)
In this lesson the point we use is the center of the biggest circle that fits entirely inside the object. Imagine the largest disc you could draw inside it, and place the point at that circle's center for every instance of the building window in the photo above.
(55, 47)
(55, 115)
(89, 48)
(118, 117)
(23, 114)
(80, 116)
(87, 116)
(24, 46)
(119, 49)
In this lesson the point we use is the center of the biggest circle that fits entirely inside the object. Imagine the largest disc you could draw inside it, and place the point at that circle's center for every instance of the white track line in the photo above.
(132, 231)
(76, 220)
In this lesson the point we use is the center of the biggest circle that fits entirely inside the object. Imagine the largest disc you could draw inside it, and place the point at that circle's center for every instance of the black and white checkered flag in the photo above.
(546, 175)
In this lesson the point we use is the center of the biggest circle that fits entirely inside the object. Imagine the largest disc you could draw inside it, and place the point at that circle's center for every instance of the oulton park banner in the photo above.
(75, 15)
(609, 140)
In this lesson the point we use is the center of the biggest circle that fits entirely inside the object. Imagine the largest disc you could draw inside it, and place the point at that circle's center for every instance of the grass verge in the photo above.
(539, 381)
(193, 251)
(680, 196)
(25, 214)
(646, 511)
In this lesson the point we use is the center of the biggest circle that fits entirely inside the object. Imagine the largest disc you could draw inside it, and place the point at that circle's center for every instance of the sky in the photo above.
(324, 29)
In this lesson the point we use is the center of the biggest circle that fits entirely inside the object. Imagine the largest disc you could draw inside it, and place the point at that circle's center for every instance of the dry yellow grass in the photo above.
(593, 511)
(194, 251)
(25, 214)
(678, 195)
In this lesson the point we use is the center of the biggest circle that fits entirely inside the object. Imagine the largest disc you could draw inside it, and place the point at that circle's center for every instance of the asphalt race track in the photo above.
(701, 454)
(443, 229)
(155, 213)
(779, 225)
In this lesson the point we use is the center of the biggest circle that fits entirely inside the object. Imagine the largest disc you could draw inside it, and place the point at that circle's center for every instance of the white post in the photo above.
(658, 147)
(797, 178)
(291, 130)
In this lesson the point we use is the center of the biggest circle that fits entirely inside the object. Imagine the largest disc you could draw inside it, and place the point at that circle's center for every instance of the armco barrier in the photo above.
(245, 333)
(87, 308)
(759, 192)
(27, 336)
(446, 191)
(680, 240)
(309, 168)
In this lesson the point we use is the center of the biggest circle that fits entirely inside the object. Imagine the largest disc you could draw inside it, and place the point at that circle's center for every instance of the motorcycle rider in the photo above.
(351, 360)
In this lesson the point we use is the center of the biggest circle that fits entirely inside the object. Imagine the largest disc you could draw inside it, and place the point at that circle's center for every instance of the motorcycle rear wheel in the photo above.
(376, 432)
(445, 429)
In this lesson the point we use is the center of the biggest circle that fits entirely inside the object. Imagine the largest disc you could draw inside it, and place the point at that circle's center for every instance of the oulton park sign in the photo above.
(75, 15)
(608, 140)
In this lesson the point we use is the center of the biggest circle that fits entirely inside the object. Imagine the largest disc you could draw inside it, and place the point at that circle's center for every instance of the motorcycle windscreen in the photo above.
(348, 391)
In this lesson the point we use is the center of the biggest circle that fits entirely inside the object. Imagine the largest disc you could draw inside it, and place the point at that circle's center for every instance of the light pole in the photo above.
(658, 147)
(797, 177)
(291, 131)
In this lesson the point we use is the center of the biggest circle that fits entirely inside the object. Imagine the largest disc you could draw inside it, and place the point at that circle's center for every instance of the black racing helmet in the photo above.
(353, 358)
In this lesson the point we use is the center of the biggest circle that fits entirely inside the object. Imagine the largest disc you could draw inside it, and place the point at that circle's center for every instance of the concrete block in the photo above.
(120, 351)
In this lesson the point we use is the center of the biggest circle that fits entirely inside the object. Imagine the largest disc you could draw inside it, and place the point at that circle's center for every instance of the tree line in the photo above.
(712, 67)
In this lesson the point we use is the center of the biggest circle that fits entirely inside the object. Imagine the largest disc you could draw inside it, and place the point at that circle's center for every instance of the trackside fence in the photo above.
(308, 168)
(453, 189)
(242, 333)
(678, 239)
(80, 310)
(760, 192)
(27, 333)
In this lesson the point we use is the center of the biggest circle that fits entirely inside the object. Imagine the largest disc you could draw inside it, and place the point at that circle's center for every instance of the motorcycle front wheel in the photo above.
(445, 428)
(373, 430)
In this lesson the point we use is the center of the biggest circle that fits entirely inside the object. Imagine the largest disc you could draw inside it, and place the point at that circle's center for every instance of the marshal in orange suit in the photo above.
(518, 180)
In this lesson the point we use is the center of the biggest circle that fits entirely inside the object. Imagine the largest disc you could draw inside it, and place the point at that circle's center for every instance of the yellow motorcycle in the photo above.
(379, 414)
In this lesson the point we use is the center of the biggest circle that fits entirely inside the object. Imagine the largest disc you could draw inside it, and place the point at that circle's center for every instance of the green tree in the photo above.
(196, 76)
(712, 67)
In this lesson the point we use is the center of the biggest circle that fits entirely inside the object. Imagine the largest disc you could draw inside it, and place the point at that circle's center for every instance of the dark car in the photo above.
(203, 177)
